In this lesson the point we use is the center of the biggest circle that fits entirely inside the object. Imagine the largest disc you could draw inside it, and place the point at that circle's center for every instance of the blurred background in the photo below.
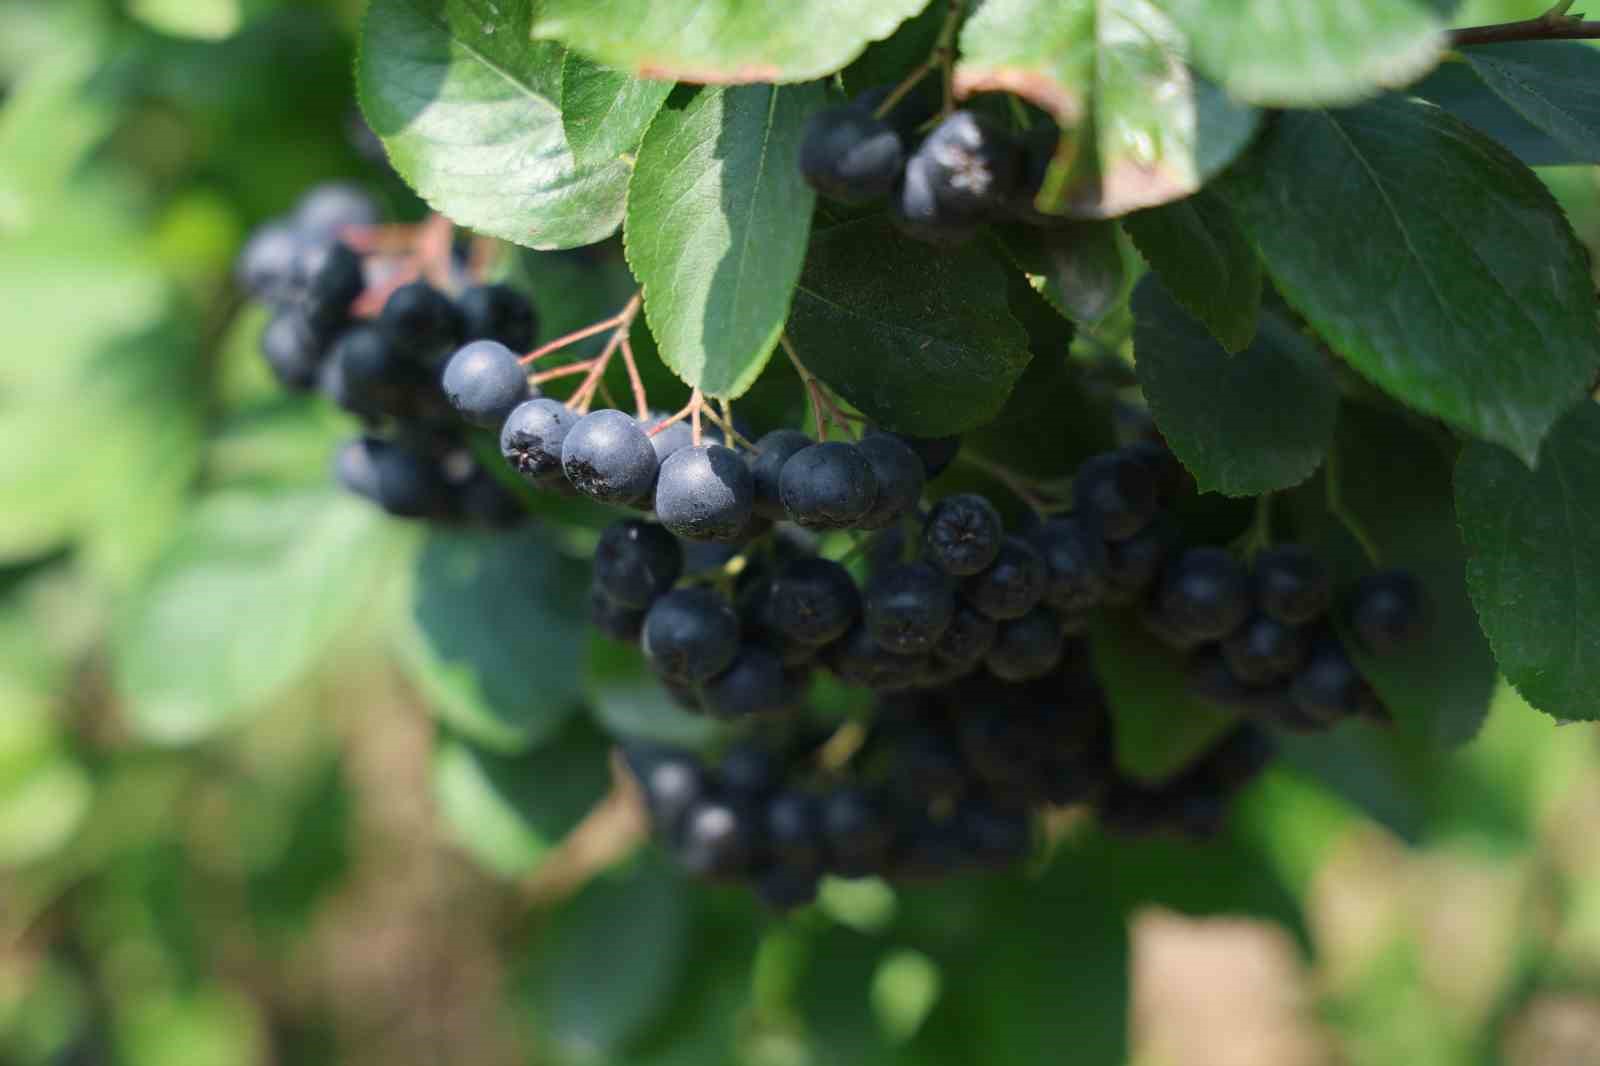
(268, 852)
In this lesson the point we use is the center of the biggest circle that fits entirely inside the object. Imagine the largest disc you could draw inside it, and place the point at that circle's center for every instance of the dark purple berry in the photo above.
(962, 535)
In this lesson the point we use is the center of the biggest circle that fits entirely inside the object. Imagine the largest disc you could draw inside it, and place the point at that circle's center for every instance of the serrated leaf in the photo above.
(246, 601)
(1533, 543)
(1139, 128)
(508, 812)
(1243, 424)
(1429, 258)
(496, 638)
(1393, 483)
(605, 112)
(1077, 267)
(1456, 87)
(718, 217)
(1554, 85)
(469, 111)
(722, 41)
(1160, 727)
(1202, 257)
(922, 344)
(1307, 53)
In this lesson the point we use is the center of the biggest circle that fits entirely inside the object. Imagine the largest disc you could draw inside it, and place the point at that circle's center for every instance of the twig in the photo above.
(564, 371)
(1553, 25)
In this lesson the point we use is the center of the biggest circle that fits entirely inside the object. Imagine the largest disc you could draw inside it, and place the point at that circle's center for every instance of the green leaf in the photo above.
(1204, 260)
(1160, 727)
(718, 217)
(611, 961)
(1555, 85)
(469, 112)
(1244, 424)
(1393, 485)
(922, 344)
(1533, 543)
(1305, 53)
(1456, 87)
(497, 636)
(508, 812)
(1077, 267)
(1051, 422)
(1430, 259)
(248, 598)
(1140, 128)
(605, 112)
(722, 41)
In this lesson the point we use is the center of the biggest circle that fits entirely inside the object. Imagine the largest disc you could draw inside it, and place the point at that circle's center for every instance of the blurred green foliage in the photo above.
(231, 833)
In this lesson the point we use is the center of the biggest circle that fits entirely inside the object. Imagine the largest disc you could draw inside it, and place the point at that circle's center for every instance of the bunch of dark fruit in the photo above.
(967, 171)
(944, 782)
(414, 460)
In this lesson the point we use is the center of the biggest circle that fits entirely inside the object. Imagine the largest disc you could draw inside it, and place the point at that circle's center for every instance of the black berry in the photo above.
(1205, 594)
(1292, 585)
(485, 383)
(827, 486)
(962, 535)
(813, 601)
(499, 313)
(772, 452)
(1075, 561)
(421, 322)
(636, 563)
(1012, 585)
(900, 476)
(1264, 651)
(714, 840)
(327, 209)
(756, 683)
(1117, 494)
(691, 635)
(705, 493)
(533, 435)
(908, 607)
(1388, 611)
(607, 457)
(1028, 647)
(849, 155)
(972, 164)
(968, 638)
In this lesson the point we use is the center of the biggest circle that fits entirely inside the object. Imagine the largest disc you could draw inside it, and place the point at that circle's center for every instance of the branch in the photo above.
(1554, 25)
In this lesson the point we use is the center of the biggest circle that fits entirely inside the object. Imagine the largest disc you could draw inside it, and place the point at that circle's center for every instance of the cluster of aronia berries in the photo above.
(942, 782)
(967, 171)
(413, 460)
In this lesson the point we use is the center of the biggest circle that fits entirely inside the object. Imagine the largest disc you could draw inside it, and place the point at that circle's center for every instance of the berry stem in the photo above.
(687, 410)
(563, 371)
(697, 403)
(1025, 489)
(641, 402)
(823, 407)
(626, 315)
(1259, 535)
(1336, 507)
